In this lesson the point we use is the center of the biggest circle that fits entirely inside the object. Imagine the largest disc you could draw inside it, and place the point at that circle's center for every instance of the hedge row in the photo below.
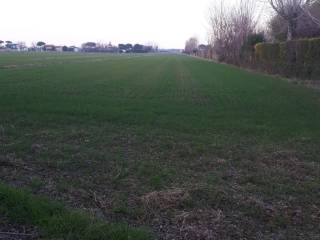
(297, 58)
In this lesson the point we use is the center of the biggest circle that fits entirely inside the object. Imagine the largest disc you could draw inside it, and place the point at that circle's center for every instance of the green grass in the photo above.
(58, 222)
(173, 93)
(114, 128)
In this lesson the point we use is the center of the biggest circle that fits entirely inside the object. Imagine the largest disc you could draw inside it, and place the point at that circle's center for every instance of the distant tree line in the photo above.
(86, 47)
(9, 45)
(121, 48)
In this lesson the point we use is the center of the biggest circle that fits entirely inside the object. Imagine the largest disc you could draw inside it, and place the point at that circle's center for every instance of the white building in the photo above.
(59, 48)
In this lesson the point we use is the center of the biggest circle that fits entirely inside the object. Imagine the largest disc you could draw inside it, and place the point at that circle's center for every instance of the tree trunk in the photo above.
(292, 27)
(289, 33)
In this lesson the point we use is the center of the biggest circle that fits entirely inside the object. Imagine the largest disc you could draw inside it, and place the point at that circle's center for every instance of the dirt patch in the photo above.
(10, 231)
(9, 66)
(15, 66)
(199, 224)
(163, 200)
(314, 84)
(291, 165)
(10, 160)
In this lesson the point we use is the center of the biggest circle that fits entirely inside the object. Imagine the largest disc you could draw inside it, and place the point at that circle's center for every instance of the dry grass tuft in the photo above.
(200, 224)
(165, 199)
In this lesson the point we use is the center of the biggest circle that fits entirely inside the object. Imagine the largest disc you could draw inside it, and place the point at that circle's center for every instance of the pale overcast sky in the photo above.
(165, 22)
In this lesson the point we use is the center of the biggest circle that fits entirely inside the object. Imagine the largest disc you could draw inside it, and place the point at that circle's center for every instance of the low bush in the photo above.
(297, 58)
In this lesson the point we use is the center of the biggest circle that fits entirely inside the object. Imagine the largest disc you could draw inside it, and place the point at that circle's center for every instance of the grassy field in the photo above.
(186, 148)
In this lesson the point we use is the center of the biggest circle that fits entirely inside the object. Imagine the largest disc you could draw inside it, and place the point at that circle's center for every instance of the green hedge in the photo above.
(297, 58)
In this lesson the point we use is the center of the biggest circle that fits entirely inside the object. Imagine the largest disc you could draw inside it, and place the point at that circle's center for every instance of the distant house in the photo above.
(138, 48)
(22, 48)
(15, 47)
(49, 48)
(173, 51)
(89, 47)
(59, 48)
(110, 48)
(12, 46)
(74, 49)
(98, 47)
(204, 51)
(125, 48)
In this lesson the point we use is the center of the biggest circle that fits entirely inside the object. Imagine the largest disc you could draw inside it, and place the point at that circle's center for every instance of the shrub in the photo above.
(267, 54)
(303, 60)
(248, 48)
(314, 52)
(298, 58)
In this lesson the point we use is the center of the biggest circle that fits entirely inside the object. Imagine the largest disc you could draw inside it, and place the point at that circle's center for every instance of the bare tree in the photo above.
(153, 45)
(230, 28)
(291, 11)
(191, 46)
(313, 16)
(306, 26)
